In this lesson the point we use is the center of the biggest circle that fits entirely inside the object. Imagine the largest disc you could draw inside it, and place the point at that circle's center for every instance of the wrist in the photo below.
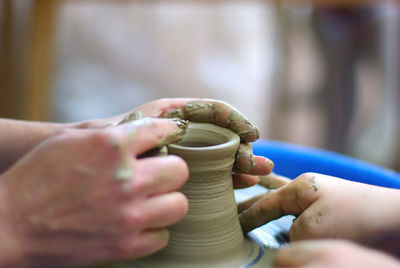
(19, 137)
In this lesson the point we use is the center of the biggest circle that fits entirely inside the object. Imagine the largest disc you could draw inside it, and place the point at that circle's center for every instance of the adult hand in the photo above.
(216, 112)
(83, 196)
(331, 254)
(326, 207)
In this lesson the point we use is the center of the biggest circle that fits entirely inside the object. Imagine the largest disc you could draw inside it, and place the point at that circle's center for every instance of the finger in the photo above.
(157, 175)
(311, 224)
(263, 166)
(155, 212)
(298, 253)
(140, 244)
(261, 212)
(291, 199)
(246, 162)
(241, 181)
(148, 133)
(244, 159)
(242, 206)
(273, 181)
(216, 112)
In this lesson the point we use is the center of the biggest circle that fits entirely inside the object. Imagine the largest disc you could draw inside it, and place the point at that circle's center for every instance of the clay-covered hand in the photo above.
(326, 207)
(331, 254)
(247, 166)
(83, 196)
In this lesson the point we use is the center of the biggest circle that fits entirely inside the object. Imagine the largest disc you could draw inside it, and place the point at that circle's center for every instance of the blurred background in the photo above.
(324, 74)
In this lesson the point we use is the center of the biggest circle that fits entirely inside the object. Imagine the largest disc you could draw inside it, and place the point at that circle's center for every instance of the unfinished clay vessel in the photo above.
(210, 234)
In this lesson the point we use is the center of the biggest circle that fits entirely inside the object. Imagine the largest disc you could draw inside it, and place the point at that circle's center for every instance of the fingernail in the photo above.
(269, 163)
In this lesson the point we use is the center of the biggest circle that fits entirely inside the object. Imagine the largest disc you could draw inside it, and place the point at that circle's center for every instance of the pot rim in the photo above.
(231, 137)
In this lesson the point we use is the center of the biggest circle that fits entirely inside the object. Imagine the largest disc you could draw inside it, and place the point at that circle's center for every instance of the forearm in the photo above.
(10, 251)
(18, 137)
(384, 213)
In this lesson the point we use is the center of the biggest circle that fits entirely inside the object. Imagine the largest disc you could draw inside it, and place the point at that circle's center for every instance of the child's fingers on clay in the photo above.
(261, 212)
(273, 181)
(148, 133)
(242, 206)
(241, 181)
(158, 175)
(291, 199)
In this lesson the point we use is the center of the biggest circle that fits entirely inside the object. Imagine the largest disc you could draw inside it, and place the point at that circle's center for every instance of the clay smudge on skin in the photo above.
(242, 126)
(244, 159)
(223, 115)
(177, 134)
(177, 113)
(131, 117)
(174, 137)
(125, 170)
(197, 111)
(314, 184)
(317, 217)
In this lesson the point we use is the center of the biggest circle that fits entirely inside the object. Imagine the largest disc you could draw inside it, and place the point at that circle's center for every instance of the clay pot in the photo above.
(210, 234)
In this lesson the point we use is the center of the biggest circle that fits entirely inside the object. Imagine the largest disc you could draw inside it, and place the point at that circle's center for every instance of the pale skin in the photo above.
(332, 254)
(327, 208)
(64, 199)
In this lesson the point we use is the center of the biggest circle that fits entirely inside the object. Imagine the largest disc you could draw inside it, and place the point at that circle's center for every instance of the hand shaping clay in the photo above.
(210, 234)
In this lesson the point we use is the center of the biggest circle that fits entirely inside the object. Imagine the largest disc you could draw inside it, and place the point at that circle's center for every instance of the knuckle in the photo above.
(305, 177)
(143, 182)
(304, 181)
(99, 139)
(307, 226)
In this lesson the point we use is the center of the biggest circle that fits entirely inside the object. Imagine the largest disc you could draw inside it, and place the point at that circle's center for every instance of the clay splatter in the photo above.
(314, 184)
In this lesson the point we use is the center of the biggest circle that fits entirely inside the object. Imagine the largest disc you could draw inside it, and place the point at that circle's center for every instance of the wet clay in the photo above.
(210, 234)
(219, 113)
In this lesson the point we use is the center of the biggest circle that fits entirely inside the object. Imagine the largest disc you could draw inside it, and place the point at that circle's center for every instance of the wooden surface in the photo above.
(5, 59)
(40, 61)
(26, 53)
